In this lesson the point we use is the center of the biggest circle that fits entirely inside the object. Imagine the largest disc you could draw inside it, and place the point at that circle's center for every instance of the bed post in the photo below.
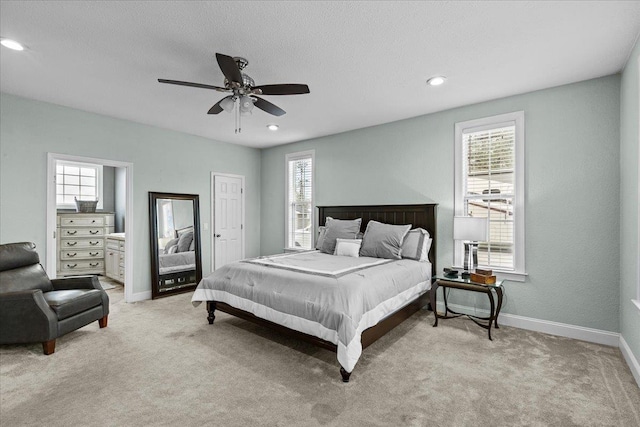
(211, 308)
(345, 375)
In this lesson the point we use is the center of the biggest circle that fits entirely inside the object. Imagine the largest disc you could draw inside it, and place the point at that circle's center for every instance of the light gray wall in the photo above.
(108, 189)
(629, 251)
(572, 195)
(163, 160)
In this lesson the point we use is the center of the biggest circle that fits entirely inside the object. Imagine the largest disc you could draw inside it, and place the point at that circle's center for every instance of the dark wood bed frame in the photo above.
(423, 216)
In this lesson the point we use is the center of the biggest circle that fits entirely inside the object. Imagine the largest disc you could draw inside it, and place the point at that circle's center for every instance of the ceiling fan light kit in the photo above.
(243, 90)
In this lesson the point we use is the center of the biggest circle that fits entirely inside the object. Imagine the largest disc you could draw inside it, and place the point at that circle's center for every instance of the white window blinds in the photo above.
(489, 167)
(299, 201)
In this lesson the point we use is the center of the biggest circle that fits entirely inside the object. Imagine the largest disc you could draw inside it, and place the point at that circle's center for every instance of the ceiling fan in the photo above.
(243, 91)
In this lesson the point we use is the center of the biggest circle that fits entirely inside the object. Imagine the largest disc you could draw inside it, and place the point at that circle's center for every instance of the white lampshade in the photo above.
(227, 104)
(246, 104)
(469, 228)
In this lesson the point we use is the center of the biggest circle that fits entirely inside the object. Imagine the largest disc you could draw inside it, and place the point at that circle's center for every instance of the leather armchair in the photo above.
(36, 309)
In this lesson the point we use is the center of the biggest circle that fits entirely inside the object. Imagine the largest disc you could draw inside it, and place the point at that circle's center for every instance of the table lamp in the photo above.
(471, 230)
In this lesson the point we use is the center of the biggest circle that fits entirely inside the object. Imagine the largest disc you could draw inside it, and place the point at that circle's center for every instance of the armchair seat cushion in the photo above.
(71, 302)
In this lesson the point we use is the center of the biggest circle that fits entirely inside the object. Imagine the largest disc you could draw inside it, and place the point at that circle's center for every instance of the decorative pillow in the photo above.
(414, 245)
(173, 249)
(348, 247)
(192, 246)
(383, 240)
(170, 243)
(360, 235)
(339, 228)
(322, 232)
(184, 241)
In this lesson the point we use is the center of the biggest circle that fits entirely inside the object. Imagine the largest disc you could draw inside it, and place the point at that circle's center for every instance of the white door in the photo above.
(228, 227)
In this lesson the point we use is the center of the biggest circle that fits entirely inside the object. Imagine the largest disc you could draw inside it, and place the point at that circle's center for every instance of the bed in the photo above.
(340, 303)
(177, 261)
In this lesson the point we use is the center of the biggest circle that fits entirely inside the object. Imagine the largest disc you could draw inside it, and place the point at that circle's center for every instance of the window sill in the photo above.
(511, 276)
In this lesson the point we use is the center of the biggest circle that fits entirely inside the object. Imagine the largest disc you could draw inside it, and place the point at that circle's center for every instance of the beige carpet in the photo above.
(161, 363)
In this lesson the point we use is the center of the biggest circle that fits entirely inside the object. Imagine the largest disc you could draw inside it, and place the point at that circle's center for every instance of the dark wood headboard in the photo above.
(423, 216)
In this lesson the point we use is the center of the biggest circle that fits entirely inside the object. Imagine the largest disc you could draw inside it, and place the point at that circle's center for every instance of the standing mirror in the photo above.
(175, 243)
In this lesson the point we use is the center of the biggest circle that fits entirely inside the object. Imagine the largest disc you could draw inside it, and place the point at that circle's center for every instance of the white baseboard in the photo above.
(140, 296)
(631, 359)
(553, 328)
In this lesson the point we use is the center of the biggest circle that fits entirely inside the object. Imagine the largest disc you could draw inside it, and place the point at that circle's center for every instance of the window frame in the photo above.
(515, 118)
(99, 182)
(299, 155)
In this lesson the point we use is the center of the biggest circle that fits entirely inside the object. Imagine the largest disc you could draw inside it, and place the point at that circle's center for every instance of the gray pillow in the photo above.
(339, 229)
(322, 232)
(170, 243)
(184, 241)
(383, 240)
(414, 245)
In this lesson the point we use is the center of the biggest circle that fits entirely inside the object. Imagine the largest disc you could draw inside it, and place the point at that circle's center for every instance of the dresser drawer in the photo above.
(81, 243)
(75, 265)
(81, 232)
(82, 222)
(80, 254)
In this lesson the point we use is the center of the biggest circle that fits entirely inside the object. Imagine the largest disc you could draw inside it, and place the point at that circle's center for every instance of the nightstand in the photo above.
(468, 285)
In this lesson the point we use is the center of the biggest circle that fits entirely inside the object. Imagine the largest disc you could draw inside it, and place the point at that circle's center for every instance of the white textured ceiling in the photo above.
(365, 62)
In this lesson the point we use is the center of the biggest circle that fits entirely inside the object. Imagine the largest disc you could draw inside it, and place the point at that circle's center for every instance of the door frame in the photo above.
(50, 265)
(213, 212)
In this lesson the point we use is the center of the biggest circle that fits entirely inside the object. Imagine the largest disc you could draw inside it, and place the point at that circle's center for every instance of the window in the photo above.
(299, 204)
(489, 183)
(80, 180)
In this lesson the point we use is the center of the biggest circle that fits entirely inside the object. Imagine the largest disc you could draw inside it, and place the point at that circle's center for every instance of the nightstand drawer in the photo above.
(82, 222)
(75, 265)
(81, 243)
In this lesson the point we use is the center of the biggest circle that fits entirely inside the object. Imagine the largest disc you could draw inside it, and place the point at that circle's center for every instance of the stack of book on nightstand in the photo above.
(485, 277)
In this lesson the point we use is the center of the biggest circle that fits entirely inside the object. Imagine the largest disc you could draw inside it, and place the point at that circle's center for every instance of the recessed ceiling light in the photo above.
(436, 80)
(11, 44)
(273, 127)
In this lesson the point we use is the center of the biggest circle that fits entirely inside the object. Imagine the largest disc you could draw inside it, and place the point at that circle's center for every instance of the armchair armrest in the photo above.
(25, 317)
(76, 282)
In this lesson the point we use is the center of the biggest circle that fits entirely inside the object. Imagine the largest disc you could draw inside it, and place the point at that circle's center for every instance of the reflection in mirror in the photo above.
(175, 243)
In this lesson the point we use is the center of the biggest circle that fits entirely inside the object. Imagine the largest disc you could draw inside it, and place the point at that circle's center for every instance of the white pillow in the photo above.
(416, 245)
(348, 247)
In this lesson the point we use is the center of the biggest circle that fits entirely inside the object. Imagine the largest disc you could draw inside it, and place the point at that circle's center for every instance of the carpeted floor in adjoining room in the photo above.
(160, 363)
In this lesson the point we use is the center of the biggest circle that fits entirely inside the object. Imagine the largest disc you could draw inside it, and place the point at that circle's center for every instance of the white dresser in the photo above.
(114, 256)
(81, 242)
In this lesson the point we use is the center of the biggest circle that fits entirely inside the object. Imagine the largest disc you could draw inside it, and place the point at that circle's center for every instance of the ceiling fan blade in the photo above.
(217, 109)
(229, 68)
(200, 85)
(282, 89)
(265, 105)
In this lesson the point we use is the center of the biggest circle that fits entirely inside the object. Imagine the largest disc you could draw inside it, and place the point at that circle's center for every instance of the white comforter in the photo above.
(331, 297)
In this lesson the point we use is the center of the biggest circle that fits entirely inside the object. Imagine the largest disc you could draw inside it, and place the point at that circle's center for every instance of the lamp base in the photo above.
(470, 256)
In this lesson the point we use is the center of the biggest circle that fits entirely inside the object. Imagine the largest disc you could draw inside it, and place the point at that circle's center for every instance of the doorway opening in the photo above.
(113, 174)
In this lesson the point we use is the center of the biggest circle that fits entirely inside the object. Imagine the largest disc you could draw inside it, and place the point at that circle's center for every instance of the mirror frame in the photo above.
(153, 226)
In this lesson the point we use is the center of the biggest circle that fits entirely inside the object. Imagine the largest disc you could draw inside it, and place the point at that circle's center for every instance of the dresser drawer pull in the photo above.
(72, 232)
(93, 232)
(93, 253)
(94, 265)
(93, 243)
(72, 266)
(72, 243)
(70, 221)
(93, 222)
(72, 255)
